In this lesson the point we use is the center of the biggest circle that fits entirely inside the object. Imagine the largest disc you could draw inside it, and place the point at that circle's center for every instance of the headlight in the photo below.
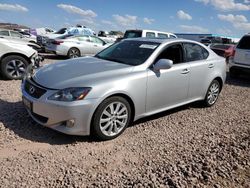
(70, 94)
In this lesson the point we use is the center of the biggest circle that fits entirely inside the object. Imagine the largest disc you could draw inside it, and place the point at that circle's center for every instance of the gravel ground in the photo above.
(189, 146)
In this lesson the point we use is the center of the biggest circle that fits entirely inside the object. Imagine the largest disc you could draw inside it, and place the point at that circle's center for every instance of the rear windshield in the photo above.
(244, 43)
(132, 34)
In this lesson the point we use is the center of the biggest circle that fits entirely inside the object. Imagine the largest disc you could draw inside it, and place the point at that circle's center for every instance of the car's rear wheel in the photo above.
(111, 118)
(74, 53)
(13, 67)
(212, 93)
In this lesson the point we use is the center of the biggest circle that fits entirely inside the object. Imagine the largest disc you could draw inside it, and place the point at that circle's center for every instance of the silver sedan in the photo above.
(76, 46)
(131, 79)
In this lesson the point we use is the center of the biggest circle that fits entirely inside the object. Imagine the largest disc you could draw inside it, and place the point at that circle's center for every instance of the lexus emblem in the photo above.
(32, 90)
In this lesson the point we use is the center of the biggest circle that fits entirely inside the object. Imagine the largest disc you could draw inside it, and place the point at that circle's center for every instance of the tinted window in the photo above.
(132, 34)
(4, 33)
(162, 36)
(195, 52)
(129, 52)
(173, 53)
(15, 34)
(244, 43)
(96, 40)
(150, 35)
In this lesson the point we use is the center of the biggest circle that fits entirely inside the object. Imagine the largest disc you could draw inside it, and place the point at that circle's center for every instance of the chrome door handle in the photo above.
(211, 65)
(185, 71)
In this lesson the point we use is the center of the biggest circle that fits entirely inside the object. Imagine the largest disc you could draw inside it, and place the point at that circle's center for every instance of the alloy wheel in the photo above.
(16, 68)
(74, 53)
(213, 93)
(113, 119)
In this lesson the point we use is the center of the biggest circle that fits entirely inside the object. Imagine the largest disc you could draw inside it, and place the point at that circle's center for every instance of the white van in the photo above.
(241, 60)
(148, 34)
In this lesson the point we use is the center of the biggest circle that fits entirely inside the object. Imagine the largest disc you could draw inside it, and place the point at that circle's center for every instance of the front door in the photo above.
(168, 88)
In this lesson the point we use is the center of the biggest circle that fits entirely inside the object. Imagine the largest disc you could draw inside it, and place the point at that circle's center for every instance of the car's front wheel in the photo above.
(13, 67)
(74, 53)
(212, 93)
(111, 118)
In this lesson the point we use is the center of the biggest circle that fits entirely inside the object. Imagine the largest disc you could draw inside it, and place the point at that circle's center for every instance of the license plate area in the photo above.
(28, 104)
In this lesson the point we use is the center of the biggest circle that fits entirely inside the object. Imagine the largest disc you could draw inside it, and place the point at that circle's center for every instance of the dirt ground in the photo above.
(189, 146)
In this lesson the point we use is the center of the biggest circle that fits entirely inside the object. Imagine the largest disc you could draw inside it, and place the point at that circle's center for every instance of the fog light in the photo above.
(70, 123)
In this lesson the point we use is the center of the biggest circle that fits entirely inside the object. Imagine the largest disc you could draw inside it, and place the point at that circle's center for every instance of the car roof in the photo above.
(161, 40)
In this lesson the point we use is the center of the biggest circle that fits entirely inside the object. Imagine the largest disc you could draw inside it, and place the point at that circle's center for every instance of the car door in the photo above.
(200, 69)
(85, 45)
(97, 44)
(242, 51)
(168, 88)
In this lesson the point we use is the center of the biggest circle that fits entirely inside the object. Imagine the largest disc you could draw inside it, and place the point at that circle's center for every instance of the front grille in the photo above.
(33, 90)
(40, 118)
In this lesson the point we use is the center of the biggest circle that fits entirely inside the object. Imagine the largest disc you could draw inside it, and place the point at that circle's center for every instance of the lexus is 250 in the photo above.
(131, 79)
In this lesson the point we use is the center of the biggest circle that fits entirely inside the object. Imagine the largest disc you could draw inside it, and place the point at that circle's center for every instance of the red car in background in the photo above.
(224, 50)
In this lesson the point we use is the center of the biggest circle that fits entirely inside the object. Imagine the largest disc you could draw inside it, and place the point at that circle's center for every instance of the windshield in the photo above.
(132, 34)
(129, 52)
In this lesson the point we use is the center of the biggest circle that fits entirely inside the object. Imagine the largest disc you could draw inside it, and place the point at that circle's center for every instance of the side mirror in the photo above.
(163, 64)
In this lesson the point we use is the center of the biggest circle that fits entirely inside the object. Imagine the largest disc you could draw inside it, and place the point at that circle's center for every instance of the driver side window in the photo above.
(173, 52)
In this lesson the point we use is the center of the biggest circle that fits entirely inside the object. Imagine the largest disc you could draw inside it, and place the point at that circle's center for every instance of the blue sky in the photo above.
(227, 17)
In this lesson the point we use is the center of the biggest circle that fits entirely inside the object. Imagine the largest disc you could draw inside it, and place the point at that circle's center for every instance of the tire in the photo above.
(13, 67)
(212, 93)
(74, 53)
(113, 123)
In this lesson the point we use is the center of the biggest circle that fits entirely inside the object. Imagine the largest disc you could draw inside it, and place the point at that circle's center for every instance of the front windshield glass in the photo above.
(129, 52)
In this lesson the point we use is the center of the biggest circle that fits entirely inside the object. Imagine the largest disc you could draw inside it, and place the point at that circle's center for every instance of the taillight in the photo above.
(56, 42)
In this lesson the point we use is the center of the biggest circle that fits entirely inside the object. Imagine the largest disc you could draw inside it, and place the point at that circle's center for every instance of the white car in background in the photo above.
(15, 57)
(148, 34)
(76, 46)
(11, 34)
(241, 60)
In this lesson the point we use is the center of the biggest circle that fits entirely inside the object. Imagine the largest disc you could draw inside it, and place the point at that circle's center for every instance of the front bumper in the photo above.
(55, 114)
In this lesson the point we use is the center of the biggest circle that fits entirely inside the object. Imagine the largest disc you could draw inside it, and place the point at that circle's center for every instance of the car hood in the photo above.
(79, 72)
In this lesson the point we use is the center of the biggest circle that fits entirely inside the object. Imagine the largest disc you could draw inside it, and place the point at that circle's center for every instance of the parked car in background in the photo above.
(74, 46)
(15, 56)
(206, 41)
(42, 39)
(11, 34)
(41, 31)
(148, 34)
(240, 63)
(224, 50)
(107, 36)
(131, 79)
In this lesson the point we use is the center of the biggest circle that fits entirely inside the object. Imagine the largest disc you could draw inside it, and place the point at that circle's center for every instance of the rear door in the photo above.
(242, 51)
(200, 68)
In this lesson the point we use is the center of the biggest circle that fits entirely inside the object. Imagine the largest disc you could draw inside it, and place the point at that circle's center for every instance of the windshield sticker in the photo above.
(148, 46)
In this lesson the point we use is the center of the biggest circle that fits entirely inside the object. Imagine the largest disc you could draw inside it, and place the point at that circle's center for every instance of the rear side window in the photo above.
(132, 34)
(162, 36)
(4, 33)
(194, 52)
(150, 35)
(244, 43)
